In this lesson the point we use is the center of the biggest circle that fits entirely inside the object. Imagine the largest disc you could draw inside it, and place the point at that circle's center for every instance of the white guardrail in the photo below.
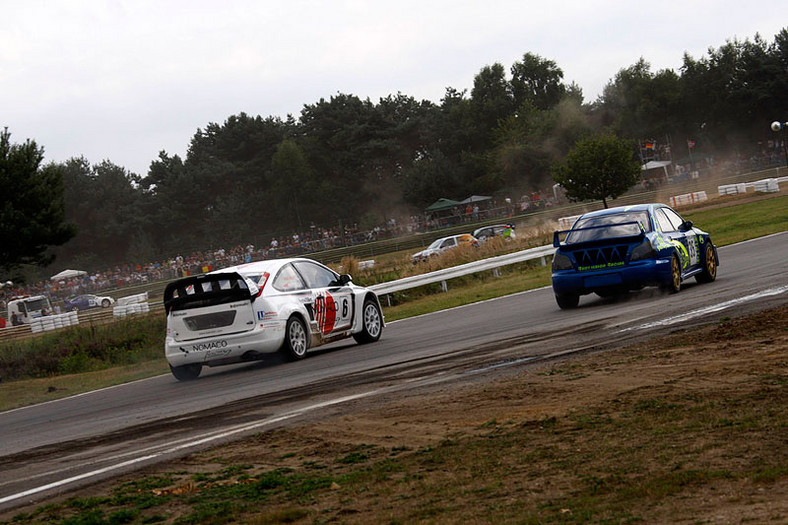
(441, 276)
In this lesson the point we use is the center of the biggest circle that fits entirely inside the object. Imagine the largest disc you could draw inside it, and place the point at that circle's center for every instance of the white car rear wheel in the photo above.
(186, 372)
(296, 341)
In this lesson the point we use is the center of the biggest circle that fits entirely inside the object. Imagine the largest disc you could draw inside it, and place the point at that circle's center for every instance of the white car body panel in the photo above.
(244, 329)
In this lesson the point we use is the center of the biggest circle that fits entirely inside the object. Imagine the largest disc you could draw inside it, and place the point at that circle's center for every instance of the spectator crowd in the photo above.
(312, 239)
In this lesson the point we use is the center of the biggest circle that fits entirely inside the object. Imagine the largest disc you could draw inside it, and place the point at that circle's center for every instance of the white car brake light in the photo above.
(261, 283)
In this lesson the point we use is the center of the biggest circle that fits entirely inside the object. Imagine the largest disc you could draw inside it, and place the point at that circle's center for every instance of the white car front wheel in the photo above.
(371, 323)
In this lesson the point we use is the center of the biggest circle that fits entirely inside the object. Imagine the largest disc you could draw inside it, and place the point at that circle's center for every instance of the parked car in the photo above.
(243, 312)
(612, 251)
(86, 301)
(506, 231)
(439, 246)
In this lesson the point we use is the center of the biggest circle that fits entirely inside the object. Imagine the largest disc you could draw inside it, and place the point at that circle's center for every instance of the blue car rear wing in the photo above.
(592, 238)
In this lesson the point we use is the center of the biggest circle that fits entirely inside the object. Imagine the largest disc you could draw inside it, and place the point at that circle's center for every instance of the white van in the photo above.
(22, 310)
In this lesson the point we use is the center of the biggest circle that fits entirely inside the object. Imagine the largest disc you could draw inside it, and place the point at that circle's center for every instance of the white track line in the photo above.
(709, 309)
(195, 441)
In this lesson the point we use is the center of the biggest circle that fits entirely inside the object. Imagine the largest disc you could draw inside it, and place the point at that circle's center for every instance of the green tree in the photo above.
(334, 137)
(32, 217)
(729, 96)
(431, 177)
(105, 203)
(491, 101)
(532, 140)
(399, 136)
(293, 182)
(640, 104)
(537, 81)
(598, 168)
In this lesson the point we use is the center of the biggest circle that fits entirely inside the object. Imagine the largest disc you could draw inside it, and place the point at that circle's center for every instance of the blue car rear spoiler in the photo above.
(557, 235)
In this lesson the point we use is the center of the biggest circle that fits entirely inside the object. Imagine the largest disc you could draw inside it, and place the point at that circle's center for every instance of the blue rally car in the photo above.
(87, 301)
(612, 251)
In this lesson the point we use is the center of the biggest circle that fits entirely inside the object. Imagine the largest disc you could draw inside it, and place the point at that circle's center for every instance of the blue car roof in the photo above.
(620, 209)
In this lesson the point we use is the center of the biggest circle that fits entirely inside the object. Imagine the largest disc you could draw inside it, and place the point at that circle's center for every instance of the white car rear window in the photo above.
(288, 280)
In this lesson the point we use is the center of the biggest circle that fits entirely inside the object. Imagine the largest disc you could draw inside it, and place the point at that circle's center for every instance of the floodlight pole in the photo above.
(780, 127)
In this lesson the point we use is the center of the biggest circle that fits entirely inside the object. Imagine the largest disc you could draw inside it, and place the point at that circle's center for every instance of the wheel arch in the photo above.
(707, 239)
(362, 298)
(295, 312)
(669, 285)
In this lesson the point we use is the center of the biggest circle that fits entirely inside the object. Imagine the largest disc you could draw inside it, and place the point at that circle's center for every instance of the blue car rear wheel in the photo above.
(709, 272)
(567, 301)
(674, 285)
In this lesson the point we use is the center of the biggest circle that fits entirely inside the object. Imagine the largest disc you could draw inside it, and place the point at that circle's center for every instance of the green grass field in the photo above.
(732, 224)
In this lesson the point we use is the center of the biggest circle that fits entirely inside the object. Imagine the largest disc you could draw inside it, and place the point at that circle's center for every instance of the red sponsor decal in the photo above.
(325, 313)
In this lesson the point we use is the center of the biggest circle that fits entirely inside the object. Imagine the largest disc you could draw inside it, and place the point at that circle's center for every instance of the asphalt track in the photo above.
(53, 447)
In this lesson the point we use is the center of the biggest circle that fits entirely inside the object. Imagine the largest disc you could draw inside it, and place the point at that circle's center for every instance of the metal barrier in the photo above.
(12, 333)
(441, 276)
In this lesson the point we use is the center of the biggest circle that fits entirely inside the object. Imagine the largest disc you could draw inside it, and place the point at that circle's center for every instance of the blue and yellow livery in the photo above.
(610, 252)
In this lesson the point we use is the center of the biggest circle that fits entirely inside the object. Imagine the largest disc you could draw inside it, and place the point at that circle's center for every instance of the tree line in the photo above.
(350, 160)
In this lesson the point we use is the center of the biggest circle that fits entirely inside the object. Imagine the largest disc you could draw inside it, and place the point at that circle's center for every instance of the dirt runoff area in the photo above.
(688, 428)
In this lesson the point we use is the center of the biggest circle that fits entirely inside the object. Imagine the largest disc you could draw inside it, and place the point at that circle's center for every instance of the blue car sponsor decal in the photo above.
(600, 266)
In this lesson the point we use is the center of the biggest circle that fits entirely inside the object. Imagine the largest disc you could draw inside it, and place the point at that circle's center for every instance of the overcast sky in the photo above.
(123, 80)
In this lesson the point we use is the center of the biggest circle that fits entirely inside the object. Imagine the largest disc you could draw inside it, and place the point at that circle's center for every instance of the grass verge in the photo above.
(740, 222)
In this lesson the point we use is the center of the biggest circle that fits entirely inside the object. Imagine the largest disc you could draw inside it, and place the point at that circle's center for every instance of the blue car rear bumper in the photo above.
(649, 272)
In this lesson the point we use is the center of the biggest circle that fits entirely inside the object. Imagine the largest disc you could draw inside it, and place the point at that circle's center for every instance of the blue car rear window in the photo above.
(615, 223)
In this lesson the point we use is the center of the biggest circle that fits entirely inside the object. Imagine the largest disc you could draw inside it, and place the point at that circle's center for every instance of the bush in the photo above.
(78, 349)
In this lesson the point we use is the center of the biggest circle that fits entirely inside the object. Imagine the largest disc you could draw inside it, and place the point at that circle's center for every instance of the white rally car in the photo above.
(240, 313)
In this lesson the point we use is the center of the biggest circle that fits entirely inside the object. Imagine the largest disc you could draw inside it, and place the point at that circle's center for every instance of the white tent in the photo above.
(654, 164)
(67, 274)
(657, 164)
(475, 198)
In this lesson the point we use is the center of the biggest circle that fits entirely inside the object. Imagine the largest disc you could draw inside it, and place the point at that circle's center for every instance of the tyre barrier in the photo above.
(732, 189)
(52, 322)
(133, 299)
(766, 185)
(688, 198)
(123, 310)
(763, 186)
(565, 223)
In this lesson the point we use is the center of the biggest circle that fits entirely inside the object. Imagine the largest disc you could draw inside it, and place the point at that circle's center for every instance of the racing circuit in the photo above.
(54, 447)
